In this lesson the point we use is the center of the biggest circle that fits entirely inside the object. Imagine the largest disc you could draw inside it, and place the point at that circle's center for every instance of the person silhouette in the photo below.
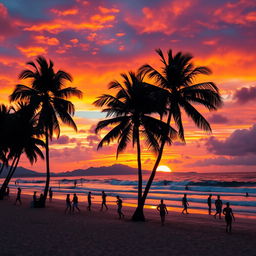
(7, 192)
(104, 196)
(50, 194)
(185, 204)
(41, 201)
(229, 216)
(34, 202)
(68, 204)
(209, 202)
(18, 198)
(162, 210)
(246, 194)
(75, 182)
(75, 203)
(119, 203)
(218, 205)
(89, 199)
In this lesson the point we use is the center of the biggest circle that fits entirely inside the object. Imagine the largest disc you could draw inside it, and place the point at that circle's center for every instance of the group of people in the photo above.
(227, 211)
(73, 205)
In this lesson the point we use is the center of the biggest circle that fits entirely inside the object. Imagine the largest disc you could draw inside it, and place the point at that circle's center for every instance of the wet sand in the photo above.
(26, 231)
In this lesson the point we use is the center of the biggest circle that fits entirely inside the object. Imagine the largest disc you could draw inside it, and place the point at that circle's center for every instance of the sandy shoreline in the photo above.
(26, 231)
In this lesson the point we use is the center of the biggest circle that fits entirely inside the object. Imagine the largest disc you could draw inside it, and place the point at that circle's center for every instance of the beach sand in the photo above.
(26, 231)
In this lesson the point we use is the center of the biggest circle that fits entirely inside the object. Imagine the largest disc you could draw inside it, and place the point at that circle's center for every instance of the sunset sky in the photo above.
(97, 40)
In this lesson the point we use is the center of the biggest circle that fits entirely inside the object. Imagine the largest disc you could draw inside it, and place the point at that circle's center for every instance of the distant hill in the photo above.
(116, 169)
(22, 172)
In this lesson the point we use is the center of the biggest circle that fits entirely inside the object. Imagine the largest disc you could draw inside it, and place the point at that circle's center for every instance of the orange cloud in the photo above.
(32, 50)
(120, 34)
(46, 40)
(74, 40)
(105, 10)
(65, 12)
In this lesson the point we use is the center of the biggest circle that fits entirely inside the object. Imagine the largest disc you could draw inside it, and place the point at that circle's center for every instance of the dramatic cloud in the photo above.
(245, 94)
(97, 40)
(241, 142)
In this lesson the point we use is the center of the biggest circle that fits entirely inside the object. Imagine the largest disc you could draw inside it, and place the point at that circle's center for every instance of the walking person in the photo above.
(68, 204)
(89, 199)
(162, 210)
(50, 194)
(104, 200)
(185, 204)
(18, 198)
(75, 203)
(229, 216)
(218, 205)
(119, 203)
(209, 202)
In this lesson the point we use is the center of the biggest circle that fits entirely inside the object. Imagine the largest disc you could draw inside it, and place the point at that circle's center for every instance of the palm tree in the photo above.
(48, 96)
(130, 111)
(22, 134)
(4, 113)
(177, 77)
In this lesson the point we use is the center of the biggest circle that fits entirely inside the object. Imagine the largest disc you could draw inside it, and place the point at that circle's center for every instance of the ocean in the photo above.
(232, 187)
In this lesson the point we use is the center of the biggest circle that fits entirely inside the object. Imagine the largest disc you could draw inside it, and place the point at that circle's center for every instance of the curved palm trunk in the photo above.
(9, 176)
(47, 166)
(140, 215)
(139, 210)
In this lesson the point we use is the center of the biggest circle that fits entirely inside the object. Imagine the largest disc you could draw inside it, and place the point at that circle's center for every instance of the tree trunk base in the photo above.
(138, 215)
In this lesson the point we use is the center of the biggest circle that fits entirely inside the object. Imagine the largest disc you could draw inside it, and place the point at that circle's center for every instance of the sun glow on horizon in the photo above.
(163, 168)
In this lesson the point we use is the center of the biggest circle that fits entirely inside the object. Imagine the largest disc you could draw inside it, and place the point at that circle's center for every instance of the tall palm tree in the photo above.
(4, 113)
(129, 113)
(177, 78)
(48, 95)
(22, 137)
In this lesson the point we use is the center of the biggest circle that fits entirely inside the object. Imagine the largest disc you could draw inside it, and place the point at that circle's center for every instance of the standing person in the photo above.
(68, 204)
(185, 204)
(75, 203)
(218, 205)
(104, 196)
(18, 198)
(50, 194)
(209, 202)
(89, 199)
(163, 210)
(229, 216)
(34, 202)
(119, 203)
(75, 182)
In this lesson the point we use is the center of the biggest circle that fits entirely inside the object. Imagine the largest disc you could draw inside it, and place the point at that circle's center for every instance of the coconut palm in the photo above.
(48, 95)
(4, 114)
(22, 134)
(177, 78)
(129, 113)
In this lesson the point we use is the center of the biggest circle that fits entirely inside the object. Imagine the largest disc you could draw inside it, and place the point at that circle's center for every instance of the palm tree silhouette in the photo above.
(176, 80)
(4, 114)
(48, 96)
(22, 134)
(130, 111)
